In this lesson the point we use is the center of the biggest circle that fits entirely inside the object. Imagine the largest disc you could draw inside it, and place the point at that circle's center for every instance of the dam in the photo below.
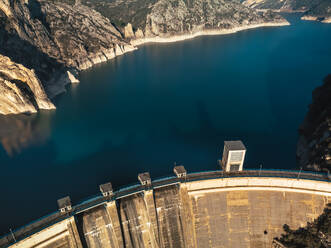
(208, 209)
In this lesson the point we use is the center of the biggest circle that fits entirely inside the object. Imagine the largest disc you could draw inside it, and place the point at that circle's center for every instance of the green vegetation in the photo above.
(121, 13)
(315, 235)
(295, 5)
(323, 9)
(70, 2)
(318, 119)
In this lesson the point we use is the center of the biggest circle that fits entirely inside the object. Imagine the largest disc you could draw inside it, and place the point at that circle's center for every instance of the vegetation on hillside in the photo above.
(314, 146)
(321, 10)
(316, 234)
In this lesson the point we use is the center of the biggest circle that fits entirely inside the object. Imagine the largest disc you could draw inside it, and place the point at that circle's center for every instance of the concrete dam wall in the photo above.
(209, 210)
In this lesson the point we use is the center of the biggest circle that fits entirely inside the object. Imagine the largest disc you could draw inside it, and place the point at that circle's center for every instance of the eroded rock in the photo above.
(21, 90)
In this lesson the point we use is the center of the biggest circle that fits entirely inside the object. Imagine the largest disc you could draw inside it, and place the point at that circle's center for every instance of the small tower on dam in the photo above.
(64, 204)
(180, 171)
(145, 179)
(233, 156)
(106, 189)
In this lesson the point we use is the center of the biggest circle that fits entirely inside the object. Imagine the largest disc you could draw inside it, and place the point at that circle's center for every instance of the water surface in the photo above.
(162, 104)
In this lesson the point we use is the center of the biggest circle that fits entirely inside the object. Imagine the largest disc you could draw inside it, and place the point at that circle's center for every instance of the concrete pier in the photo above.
(208, 209)
(115, 224)
(152, 217)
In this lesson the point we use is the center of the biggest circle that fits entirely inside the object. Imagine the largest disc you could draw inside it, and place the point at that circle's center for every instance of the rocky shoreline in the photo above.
(57, 39)
(58, 86)
(315, 18)
(21, 90)
(313, 10)
(176, 38)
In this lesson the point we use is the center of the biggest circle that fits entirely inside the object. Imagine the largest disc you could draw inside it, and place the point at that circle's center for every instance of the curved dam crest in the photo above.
(161, 104)
(236, 211)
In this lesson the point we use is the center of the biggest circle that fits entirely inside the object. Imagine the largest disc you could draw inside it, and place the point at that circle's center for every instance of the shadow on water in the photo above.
(162, 104)
(18, 132)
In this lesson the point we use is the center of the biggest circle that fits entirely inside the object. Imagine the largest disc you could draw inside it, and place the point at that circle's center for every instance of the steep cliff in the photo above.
(57, 38)
(164, 18)
(21, 90)
(82, 37)
(317, 10)
(314, 147)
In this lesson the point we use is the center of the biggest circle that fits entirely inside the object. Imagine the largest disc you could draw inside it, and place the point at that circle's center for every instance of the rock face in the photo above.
(314, 147)
(21, 90)
(53, 38)
(315, 10)
(57, 38)
(166, 18)
(82, 37)
(320, 12)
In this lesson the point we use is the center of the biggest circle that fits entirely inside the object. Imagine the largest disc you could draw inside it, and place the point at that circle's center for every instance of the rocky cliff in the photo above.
(58, 38)
(317, 10)
(314, 147)
(55, 40)
(167, 18)
(21, 90)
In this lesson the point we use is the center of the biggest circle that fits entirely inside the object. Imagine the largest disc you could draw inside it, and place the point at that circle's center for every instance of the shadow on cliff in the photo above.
(36, 13)
(319, 110)
(23, 52)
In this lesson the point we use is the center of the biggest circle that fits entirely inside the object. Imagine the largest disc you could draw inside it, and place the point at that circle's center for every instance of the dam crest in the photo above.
(207, 209)
(231, 207)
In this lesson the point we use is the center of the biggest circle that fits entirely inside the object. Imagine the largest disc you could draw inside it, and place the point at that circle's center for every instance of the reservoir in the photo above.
(160, 105)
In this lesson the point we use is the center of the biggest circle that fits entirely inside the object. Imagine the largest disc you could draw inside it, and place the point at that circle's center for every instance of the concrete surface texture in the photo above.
(223, 212)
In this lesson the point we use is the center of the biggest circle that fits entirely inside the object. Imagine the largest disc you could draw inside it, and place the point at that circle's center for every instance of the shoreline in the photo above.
(188, 36)
(58, 85)
(316, 19)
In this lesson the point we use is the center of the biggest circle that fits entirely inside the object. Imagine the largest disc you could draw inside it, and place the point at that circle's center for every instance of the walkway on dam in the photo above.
(98, 200)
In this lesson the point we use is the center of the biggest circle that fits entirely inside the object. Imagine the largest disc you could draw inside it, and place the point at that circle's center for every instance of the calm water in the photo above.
(162, 104)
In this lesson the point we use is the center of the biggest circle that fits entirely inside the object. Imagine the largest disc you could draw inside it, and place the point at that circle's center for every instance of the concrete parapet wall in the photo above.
(219, 212)
(260, 183)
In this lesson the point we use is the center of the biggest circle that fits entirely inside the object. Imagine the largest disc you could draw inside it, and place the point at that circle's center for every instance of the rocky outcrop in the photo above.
(314, 10)
(281, 5)
(166, 19)
(319, 12)
(82, 37)
(60, 36)
(54, 38)
(21, 90)
(314, 146)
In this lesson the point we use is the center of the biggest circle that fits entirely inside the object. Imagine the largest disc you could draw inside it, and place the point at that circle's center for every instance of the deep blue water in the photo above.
(161, 104)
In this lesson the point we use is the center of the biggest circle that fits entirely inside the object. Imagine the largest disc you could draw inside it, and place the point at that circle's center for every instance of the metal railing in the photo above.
(98, 200)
